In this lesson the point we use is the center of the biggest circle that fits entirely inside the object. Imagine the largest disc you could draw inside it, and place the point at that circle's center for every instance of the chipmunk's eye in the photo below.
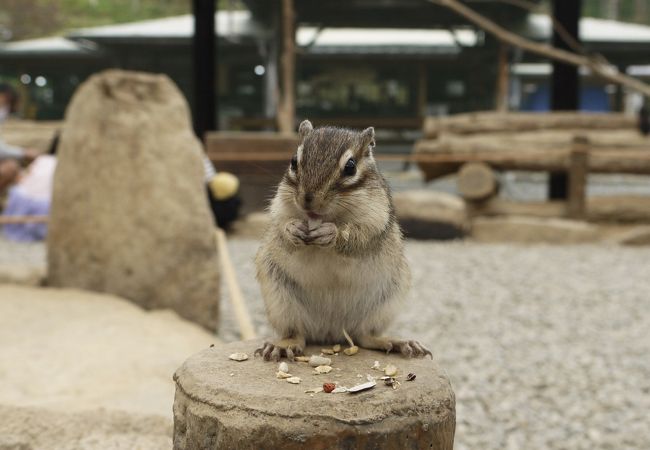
(350, 167)
(294, 163)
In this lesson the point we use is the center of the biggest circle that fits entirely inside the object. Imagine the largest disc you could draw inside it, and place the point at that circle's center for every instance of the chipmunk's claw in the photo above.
(286, 347)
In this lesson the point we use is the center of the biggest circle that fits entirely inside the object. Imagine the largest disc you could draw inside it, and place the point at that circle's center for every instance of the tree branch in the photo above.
(604, 71)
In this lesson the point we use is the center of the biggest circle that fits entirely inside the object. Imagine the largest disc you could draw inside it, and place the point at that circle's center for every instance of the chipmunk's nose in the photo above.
(309, 197)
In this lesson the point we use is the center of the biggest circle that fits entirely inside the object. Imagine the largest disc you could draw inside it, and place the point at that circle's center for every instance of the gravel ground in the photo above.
(546, 346)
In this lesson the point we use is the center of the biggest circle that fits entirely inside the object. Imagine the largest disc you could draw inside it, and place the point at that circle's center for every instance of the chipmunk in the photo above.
(332, 258)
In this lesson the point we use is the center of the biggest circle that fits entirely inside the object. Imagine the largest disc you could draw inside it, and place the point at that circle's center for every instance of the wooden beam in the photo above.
(246, 328)
(515, 122)
(287, 108)
(21, 220)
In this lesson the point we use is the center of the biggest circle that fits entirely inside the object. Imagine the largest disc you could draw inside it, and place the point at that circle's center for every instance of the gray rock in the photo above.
(129, 211)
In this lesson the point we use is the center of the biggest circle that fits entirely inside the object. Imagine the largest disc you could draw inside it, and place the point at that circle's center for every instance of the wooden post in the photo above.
(578, 171)
(503, 79)
(203, 62)
(287, 107)
(422, 90)
(565, 85)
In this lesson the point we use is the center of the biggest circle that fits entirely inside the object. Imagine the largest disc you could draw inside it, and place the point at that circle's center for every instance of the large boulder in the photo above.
(129, 210)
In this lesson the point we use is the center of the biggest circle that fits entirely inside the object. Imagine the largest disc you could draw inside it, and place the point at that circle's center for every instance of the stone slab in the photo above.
(222, 403)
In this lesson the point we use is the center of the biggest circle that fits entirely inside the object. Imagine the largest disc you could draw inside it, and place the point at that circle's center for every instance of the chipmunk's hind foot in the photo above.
(289, 347)
(408, 348)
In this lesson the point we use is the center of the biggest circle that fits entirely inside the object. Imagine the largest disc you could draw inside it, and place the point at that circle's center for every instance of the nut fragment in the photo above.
(322, 369)
(238, 357)
(351, 350)
(410, 377)
(328, 387)
(327, 351)
(390, 370)
(283, 367)
(294, 380)
(301, 358)
(282, 375)
(337, 348)
(316, 361)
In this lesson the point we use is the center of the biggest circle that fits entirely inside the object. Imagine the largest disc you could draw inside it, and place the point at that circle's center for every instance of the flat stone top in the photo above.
(211, 378)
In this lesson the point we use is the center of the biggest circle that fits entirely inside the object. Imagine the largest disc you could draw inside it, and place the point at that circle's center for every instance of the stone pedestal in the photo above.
(224, 404)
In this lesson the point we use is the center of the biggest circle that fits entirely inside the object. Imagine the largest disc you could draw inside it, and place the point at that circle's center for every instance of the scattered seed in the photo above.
(362, 387)
(294, 380)
(283, 375)
(390, 370)
(211, 345)
(283, 367)
(336, 348)
(316, 361)
(238, 357)
(410, 377)
(322, 369)
(351, 351)
(328, 387)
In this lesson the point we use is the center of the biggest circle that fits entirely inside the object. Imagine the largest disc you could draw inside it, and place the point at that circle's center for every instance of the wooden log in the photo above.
(619, 208)
(578, 171)
(492, 122)
(610, 151)
(523, 142)
(503, 207)
(476, 181)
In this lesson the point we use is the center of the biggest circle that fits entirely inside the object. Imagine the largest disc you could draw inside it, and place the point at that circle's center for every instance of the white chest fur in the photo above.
(339, 292)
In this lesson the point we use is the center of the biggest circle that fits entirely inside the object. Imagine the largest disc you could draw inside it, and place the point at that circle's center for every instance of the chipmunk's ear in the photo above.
(304, 129)
(367, 140)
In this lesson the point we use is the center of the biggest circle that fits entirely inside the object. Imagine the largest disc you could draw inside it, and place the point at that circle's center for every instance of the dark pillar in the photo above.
(203, 62)
(565, 84)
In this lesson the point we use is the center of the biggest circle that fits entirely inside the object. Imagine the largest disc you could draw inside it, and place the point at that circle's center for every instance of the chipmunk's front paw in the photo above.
(296, 231)
(290, 348)
(323, 236)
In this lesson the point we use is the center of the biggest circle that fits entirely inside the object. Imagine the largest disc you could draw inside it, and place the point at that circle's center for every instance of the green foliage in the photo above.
(624, 10)
(35, 18)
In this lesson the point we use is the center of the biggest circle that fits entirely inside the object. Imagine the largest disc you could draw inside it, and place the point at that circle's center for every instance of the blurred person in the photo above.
(32, 196)
(223, 194)
(10, 156)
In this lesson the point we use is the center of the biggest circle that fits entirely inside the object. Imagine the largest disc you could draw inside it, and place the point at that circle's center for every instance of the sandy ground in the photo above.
(99, 361)
(546, 346)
